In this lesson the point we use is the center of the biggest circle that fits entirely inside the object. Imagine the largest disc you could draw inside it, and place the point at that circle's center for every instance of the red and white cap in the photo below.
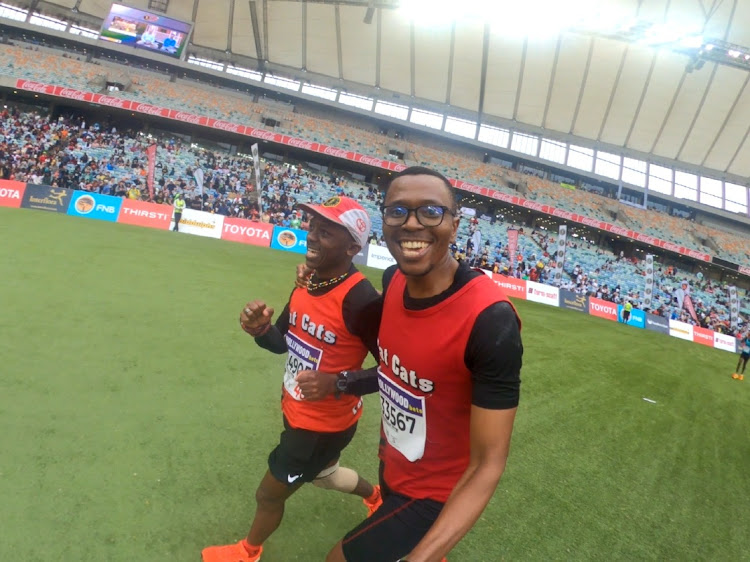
(346, 212)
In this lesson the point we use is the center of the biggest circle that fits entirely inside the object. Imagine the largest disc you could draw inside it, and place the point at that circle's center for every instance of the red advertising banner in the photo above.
(703, 336)
(151, 153)
(148, 109)
(247, 232)
(513, 287)
(141, 213)
(11, 193)
(602, 309)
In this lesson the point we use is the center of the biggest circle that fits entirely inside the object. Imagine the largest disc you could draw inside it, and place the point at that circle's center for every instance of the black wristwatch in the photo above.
(342, 381)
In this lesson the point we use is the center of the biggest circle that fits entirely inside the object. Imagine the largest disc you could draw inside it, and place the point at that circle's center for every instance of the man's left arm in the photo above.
(494, 357)
(490, 443)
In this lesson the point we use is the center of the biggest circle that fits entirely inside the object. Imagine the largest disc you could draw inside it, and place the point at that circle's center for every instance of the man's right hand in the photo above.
(255, 317)
(316, 385)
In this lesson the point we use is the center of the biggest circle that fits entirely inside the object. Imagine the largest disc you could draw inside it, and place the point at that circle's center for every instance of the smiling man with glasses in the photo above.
(449, 381)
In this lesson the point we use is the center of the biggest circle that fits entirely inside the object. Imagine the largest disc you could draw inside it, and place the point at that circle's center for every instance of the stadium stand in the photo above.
(72, 154)
(49, 66)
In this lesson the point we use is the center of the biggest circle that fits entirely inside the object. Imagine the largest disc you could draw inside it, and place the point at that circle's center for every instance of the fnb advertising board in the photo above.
(11, 193)
(44, 198)
(95, 206)
(142, 213)
(657, 323)
(514, 288)
(602, 309)
(247, 232)
(200, 223)
(544, 294)
(289, 240)
(572, 301)
(637, 317)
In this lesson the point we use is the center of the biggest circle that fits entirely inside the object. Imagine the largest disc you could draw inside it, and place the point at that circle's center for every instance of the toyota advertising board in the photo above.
(637, 317)
(544, 294)
(572, 301)
(602, 309)
(44, 198)
(143, 213)
(379, 257)
(514, 288)
(289, 240)
(247, 232)
(657, 323)
(95, 206)
(681, 330)
(200, 223)
(11, 193)
(703, 336)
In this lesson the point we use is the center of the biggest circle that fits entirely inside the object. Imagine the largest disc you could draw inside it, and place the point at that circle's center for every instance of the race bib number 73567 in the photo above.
(404, 422)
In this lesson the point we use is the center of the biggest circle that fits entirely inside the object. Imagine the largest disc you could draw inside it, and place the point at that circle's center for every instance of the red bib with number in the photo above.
(426, 389)
(318, 340)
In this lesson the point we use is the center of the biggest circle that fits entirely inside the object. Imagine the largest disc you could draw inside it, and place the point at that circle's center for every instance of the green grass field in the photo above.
(137, 417)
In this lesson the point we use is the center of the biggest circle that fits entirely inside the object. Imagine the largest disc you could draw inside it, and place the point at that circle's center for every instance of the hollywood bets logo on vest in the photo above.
(409, 376)
(316, 330)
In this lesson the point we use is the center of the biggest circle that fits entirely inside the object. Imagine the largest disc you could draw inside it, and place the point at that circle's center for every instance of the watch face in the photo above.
(341, 383)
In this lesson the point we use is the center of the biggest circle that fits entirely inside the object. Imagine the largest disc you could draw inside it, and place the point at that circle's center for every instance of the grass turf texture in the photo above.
(137, 417)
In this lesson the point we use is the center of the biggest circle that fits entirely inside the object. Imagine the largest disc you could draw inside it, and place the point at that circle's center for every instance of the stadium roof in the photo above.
(628, 75)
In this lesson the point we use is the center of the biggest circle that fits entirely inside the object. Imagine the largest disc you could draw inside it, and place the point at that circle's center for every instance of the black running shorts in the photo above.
(301, 454)
(392, 531)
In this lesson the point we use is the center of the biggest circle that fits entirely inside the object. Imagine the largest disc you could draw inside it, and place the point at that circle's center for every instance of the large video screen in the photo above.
(144, 30)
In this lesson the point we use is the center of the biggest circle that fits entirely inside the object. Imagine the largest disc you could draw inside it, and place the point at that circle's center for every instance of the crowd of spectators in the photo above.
(67, 152)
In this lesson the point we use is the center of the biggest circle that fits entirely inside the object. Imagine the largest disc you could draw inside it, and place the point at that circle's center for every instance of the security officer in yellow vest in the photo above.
(179, 205)
(626, 311)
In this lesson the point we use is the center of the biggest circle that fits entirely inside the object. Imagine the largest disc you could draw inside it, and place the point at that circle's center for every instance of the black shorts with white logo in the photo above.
(393, 530)
(301, 454)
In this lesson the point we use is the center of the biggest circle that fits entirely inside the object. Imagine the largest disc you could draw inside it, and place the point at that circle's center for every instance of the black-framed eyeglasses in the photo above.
(427, 215)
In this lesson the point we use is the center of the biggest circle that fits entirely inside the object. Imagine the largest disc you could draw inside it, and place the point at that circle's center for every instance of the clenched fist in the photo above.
(255, 318)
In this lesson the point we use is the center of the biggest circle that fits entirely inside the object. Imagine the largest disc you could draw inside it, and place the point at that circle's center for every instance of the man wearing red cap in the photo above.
(324, 326)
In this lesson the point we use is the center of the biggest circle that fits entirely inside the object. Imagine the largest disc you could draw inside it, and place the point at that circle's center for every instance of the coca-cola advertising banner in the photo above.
(148, 109)
(247, 232)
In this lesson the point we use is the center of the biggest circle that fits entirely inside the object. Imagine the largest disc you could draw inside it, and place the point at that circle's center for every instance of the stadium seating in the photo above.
(47, 66)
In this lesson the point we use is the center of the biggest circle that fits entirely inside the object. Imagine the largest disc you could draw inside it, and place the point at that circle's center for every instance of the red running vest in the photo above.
(318, 340)
(426, 389)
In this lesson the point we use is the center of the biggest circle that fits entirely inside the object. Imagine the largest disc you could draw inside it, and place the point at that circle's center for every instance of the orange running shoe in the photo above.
(230, 553)
(373, 505)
